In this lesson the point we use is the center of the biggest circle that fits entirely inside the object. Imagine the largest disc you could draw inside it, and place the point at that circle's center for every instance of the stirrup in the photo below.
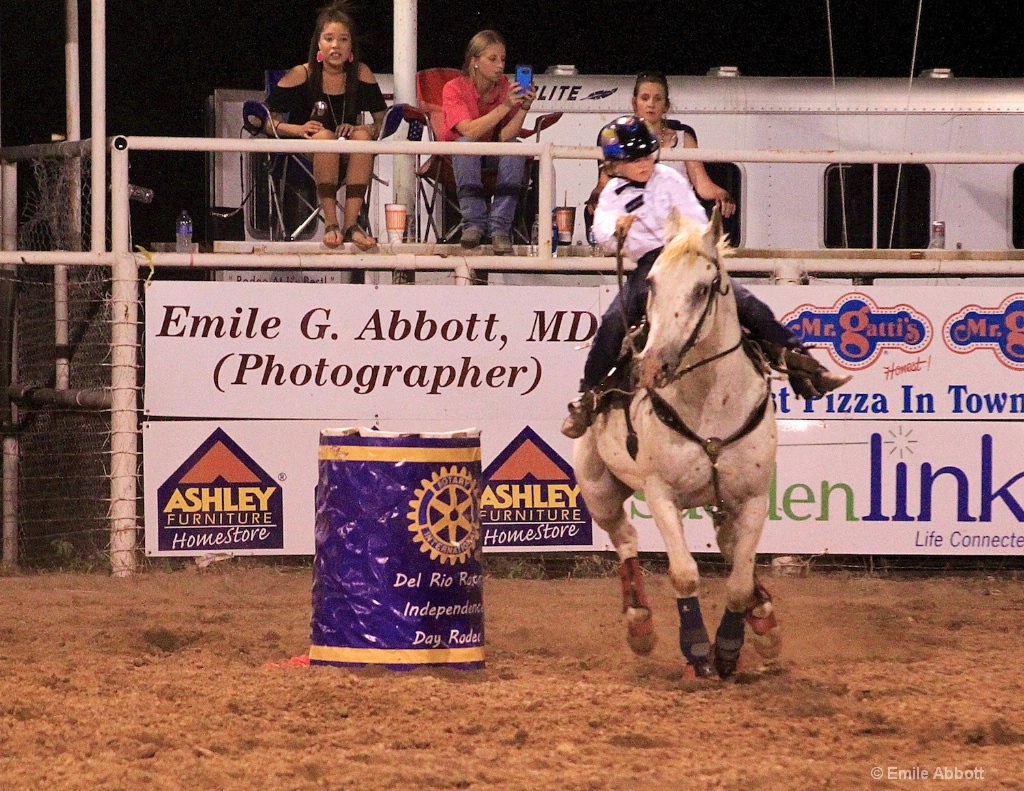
(808, 377)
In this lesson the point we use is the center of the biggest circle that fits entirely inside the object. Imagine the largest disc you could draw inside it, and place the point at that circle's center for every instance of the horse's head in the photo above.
(685, 285)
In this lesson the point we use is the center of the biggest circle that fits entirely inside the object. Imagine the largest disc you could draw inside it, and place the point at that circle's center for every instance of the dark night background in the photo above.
(164, 59)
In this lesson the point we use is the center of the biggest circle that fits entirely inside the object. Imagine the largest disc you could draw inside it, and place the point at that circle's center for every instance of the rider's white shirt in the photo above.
(651, 204)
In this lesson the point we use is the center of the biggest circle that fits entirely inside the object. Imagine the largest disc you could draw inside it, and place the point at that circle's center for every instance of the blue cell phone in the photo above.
(524, 76)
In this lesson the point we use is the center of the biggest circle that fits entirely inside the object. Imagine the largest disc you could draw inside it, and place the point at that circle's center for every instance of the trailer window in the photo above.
(1018, 207)
(727, 176)
(877, 206)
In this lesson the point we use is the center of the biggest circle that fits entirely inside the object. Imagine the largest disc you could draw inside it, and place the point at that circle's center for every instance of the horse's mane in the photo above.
(687, 244)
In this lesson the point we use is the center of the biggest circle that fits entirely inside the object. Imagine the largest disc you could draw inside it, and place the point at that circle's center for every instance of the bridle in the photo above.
(715, 290)
(670, 418)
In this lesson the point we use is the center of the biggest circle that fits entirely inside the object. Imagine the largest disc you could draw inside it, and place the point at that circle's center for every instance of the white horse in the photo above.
(699, 430)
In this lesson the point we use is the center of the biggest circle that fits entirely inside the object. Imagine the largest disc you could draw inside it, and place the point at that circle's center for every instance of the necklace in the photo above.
(330, 103)
(344, 100)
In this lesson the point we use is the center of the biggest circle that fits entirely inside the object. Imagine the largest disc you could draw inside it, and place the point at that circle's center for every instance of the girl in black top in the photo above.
(346, 89)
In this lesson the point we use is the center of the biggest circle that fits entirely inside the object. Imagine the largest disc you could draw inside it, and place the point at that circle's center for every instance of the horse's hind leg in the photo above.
(604, 495)
(761, 619)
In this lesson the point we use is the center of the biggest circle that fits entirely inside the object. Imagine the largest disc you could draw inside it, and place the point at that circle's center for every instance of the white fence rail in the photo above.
(787, 265)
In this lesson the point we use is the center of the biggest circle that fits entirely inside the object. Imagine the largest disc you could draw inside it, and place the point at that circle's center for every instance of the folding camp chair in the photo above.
(282, 203)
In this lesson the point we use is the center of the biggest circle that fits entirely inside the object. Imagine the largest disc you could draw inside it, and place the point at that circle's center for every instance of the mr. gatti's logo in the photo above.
(531, 498)
(1000, 329)
(219, 500)
(855, 329)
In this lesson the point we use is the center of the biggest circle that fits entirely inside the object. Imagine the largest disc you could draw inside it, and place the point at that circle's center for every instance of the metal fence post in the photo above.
(123, 377)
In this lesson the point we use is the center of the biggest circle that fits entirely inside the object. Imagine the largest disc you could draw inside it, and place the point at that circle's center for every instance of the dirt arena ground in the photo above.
(162, 682)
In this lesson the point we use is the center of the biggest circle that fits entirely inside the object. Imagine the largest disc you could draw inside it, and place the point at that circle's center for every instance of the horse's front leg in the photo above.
(746, 600)
(693, 636)
(605, 495)
(639, 622)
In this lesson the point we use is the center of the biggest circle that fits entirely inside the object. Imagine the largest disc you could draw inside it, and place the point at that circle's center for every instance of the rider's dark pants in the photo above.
(604, 352)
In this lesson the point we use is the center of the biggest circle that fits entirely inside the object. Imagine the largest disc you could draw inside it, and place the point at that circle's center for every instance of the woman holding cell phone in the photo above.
(484, 106)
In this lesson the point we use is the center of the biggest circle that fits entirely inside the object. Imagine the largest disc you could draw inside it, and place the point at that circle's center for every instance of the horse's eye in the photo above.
(702, 291)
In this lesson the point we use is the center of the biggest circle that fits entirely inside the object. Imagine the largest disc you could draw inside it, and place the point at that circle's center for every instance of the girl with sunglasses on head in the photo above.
(483, 105)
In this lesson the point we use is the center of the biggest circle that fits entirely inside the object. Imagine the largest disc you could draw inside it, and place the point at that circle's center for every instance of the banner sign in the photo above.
(194, 470)
(841, 487)
(917, 353)
(860, 487)
(320, 350)
(916, 455)
(317, 351)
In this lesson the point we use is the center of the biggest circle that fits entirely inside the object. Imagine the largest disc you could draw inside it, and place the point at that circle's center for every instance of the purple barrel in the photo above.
(398, 579)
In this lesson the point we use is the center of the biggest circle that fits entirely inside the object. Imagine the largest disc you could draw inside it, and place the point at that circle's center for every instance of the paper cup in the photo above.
(565, 220)
(394, 214)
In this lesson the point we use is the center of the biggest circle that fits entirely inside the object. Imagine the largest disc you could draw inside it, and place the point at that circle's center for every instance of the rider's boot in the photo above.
(581, 415)
(808, 377)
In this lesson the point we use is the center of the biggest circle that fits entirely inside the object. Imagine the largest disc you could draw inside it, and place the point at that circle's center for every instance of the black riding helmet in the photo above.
(627, 139)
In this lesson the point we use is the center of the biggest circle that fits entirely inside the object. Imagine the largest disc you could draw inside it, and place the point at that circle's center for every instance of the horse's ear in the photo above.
(673, 224)
(713, 232)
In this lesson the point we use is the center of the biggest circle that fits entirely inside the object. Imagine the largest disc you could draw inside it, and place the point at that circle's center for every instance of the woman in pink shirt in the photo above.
(482, 105)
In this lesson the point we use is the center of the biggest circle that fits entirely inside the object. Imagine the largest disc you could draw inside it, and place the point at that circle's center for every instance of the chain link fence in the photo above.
(63, 484)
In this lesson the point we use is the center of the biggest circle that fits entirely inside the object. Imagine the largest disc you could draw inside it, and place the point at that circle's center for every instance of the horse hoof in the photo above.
(640, 630)
(761, 619)
(769, 644)
(703, 669)
(726, 665)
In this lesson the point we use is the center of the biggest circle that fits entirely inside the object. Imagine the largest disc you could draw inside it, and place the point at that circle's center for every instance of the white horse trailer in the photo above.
(786, 205)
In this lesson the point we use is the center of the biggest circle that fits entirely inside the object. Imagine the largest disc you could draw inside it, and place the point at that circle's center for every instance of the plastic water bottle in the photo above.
(535, 238)
(183, 233)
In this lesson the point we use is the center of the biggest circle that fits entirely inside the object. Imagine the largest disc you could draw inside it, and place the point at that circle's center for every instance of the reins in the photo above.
(620, 243)
(714, 291)
(670, 418)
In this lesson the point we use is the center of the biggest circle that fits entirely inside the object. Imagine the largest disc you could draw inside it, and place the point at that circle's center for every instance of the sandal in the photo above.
(368, 243)
(335, 229)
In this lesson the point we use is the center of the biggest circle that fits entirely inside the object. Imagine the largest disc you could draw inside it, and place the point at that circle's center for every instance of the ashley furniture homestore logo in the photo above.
(531, 498)
(220, 500)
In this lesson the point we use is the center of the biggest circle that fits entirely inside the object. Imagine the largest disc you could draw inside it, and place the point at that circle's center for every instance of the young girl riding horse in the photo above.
(636, 204)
